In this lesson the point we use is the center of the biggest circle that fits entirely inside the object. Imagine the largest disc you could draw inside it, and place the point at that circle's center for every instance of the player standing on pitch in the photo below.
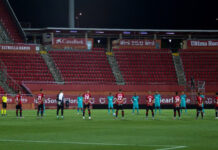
(203, 97)
(150, 104)
(41, 99)
(157, 99)
(110, 99)
(183, 102)
(60, 104)
(86, 103)
(119, 99)
(135, 101)
(79, 103)
(18, 101)
(4, 105)
(177, 103)
(216, 105)
(199, 106)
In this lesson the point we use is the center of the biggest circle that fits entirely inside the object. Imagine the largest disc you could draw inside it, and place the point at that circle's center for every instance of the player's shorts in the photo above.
(199, 108)
(4, 105)
(157, 105)
(40, 107)
(119, 106)
(110, 105)
(80, 105)
(135, 106)
(18, 106)
(176, 108)
(150, 107)
(86, 106)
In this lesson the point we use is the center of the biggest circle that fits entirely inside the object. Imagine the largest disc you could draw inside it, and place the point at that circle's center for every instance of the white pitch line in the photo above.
(171, 148)
(103, 144)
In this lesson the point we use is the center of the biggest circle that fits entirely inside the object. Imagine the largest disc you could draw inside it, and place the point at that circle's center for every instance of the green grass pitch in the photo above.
(105, 133)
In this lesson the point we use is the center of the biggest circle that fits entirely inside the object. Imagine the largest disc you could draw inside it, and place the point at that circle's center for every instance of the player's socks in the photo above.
(159, 110)
(90, 117)
(216, 114)
(123, 114)
(174, 114)
(62, 117)
(155, 111)
(202, 115)
(108, 110)
(89, 113)
(133, 110)
(116, 113)
(20, 113)
(83, 112)
(137, 111)
(57, 117)
(17, 112)
(2, 112)
(186, 110)
(84, 117)
(5, 112)
(113, 110)
(41, 113)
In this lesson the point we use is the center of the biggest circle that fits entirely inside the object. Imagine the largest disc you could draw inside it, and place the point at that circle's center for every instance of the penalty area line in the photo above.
(167, 147)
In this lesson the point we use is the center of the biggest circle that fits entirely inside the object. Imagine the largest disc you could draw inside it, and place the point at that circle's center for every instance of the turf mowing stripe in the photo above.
(168, 147)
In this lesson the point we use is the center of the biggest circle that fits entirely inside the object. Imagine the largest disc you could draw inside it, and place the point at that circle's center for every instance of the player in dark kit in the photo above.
(119, 99)
(40, 98)
(150, 104)
(176, 104)
(18, 103)
(60, 104)
(200, 106)
(86, 103)
(216, 105)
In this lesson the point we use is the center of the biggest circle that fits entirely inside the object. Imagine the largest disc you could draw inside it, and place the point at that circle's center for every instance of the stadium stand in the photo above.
(9, 23)
(1, 90)
(146, 66)
(89, 67)
(201, 64)
(26, 67)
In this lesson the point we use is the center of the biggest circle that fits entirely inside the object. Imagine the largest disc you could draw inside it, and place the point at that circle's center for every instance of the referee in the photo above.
(60, 104)
(4, 105)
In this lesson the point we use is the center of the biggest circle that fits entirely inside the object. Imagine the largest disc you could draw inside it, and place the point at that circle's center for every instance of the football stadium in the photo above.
(100, 75)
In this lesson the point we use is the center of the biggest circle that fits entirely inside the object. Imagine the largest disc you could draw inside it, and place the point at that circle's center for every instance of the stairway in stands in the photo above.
(10, 23)
(115, 69)
(52, 67)
(179, 69)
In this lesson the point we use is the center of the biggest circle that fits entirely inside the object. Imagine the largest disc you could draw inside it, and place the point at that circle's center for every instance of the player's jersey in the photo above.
(177, 101)
(40, 98)
(110, 99)
(150, 100)
(119, 97)
(216, 102)
(86, 98)
(183, 99)
(157, 98)
(4, 99)
(199, 101)
(135, 99)
(79, 99)
(18, 99)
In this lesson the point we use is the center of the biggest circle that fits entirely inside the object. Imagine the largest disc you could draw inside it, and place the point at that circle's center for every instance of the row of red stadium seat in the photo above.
(31, 68)
(83, 66)
(145, 66)
(9, 24)
(201, 64)
(1, 90)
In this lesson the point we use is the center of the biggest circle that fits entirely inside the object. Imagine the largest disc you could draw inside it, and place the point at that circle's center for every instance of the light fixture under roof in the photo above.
(126, 32)
(99, 32)
(170, 33)
(57, 31)
(73, 31)
(143, 33)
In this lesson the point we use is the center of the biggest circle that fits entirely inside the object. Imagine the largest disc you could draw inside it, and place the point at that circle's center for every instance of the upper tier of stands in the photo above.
(146, 66)
(89, 67)
(201, 64)
(9, 24)
(26, 67)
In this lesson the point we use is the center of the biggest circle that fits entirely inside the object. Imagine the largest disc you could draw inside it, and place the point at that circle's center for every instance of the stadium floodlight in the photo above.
(58, 31)
(170, 40)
